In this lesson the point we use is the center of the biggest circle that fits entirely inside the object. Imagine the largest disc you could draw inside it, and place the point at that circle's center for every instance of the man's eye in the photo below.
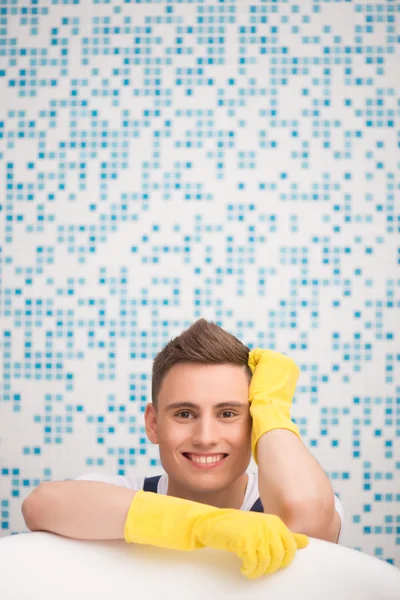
(186, 412)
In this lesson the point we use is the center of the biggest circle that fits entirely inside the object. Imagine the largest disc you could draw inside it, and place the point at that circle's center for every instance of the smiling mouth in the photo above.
(187, 455)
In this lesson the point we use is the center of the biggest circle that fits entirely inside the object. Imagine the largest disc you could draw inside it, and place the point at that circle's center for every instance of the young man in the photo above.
(214, 406)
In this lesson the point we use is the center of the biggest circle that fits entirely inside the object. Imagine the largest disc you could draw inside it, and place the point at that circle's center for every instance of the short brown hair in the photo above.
(203, 342)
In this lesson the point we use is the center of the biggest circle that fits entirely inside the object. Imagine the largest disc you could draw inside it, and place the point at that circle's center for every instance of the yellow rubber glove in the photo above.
(262, 542)
(271, 391)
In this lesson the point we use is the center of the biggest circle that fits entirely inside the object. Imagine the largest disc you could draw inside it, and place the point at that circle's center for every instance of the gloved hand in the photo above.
(271, 392)
(262, 542)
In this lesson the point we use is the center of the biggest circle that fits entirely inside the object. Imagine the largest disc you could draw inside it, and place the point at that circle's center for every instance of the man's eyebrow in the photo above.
(176, 405)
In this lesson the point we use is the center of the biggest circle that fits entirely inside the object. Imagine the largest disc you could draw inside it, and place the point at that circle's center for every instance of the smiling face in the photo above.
(203, 428)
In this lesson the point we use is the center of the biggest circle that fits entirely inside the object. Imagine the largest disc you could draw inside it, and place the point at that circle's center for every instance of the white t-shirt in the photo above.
(135, 482)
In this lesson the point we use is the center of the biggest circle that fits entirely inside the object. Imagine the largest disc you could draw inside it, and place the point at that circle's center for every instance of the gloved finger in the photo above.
(250, 564)
(277, 551)
(263, 562)
(253, 358)
(290, 546)
(301, 540)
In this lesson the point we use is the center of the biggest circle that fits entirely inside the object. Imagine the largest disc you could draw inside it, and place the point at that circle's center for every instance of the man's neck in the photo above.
(231, 497)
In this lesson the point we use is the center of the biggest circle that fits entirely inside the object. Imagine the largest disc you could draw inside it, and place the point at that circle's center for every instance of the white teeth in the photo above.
(206, 460)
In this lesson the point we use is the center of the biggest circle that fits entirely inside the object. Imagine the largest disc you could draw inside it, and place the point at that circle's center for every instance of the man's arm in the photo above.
(293, 486)
(84, 510)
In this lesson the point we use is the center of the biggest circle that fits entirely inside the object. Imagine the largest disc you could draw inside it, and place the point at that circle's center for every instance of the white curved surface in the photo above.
(44, 566)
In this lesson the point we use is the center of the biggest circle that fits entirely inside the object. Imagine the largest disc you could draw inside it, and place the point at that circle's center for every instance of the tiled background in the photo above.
(162, 161)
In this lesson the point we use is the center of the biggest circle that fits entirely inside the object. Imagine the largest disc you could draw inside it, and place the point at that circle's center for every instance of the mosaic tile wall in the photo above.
(164, 161)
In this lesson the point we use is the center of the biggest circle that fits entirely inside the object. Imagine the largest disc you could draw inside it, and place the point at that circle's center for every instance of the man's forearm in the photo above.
(84, 510)
(293, 485)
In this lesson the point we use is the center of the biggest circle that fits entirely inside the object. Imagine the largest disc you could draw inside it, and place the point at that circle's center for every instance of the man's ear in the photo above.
(150, 419)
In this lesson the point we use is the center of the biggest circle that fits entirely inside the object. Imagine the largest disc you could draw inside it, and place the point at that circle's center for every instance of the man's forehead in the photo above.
(205, 370)
(202, 387)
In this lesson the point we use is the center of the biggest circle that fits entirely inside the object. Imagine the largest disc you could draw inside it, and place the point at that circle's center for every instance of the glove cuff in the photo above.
(165, 521)
(267, 418)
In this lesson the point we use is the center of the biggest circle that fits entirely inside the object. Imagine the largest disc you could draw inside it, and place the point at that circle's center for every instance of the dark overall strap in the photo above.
(151, 483)
(257, 506)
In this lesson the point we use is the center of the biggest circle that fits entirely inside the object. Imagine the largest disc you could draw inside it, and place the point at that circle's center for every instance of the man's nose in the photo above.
(206, 430)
